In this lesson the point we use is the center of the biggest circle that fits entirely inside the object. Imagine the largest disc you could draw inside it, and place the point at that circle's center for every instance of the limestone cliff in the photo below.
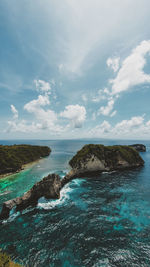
(98, 158)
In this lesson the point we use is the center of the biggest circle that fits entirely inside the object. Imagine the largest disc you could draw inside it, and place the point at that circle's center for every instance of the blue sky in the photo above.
(74, 69)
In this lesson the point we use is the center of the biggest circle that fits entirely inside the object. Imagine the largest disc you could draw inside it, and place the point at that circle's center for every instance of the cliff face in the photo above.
(99, 158)
(13, 157)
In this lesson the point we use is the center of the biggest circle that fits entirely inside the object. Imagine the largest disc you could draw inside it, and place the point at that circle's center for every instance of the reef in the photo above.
(12, 158)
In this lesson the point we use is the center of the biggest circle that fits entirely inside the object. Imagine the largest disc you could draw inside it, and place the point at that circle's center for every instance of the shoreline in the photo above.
(24, 167)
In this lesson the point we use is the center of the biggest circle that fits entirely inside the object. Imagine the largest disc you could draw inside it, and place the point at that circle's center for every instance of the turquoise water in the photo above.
(98, 221)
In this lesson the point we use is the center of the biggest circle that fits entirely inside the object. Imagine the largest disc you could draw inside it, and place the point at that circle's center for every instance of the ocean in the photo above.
(98, 221)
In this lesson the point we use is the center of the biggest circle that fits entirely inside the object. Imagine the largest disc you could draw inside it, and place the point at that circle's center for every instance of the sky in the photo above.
(74, 69)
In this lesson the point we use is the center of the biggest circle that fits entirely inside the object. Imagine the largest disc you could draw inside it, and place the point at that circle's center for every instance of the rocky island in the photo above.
(12, 158)
(94, 159)
(90, 160)
(139, 147)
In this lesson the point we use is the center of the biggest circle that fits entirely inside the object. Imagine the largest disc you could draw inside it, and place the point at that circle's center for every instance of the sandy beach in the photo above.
(24, 167)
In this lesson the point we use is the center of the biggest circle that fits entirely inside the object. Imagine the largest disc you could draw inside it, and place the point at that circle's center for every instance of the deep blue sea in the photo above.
(98, 222)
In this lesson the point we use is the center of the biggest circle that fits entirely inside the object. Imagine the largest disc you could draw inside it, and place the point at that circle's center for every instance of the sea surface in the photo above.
(99, 221)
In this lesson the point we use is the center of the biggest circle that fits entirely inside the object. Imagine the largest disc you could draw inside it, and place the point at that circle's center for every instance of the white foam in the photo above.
(78, 181)
(64, 195)
(12, 216)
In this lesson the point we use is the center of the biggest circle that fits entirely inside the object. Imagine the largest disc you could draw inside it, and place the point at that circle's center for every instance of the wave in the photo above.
(12, 217)
(64, 196)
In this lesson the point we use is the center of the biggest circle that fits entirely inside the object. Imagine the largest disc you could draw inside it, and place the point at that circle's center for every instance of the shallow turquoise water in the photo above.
(98, 221)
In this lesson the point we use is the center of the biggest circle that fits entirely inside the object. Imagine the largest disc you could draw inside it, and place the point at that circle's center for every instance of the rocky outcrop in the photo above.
(139, 147)
(92, 159)
(49, 187)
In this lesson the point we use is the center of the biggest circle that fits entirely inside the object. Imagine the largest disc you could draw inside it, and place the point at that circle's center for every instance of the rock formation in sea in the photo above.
(49, 187)
(139, 147)
(90, 160)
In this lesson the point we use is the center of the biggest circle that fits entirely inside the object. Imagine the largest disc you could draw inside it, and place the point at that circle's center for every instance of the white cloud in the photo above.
(131, 72)
(76, 114)
(100, 129)
(102, 94)
(106, 110)
(127, 126)
(105, 126)
(42, 86)
(135, 127)
(47, 118)
(91, 25)
(23, 126)
(113, 63)
(44, 118)
(14, 111)
(85, 34)
(113, 113)
(34, 105)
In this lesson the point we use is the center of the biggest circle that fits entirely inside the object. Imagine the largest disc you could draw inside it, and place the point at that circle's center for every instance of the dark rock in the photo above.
(49, 187)
(139, 147)
(69, 176)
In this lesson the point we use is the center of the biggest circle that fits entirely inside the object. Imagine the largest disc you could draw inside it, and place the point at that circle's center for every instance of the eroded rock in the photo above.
(49, 187)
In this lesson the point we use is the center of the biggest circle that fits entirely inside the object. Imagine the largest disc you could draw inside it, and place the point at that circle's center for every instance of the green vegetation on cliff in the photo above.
(108, 153)
(13, 157)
